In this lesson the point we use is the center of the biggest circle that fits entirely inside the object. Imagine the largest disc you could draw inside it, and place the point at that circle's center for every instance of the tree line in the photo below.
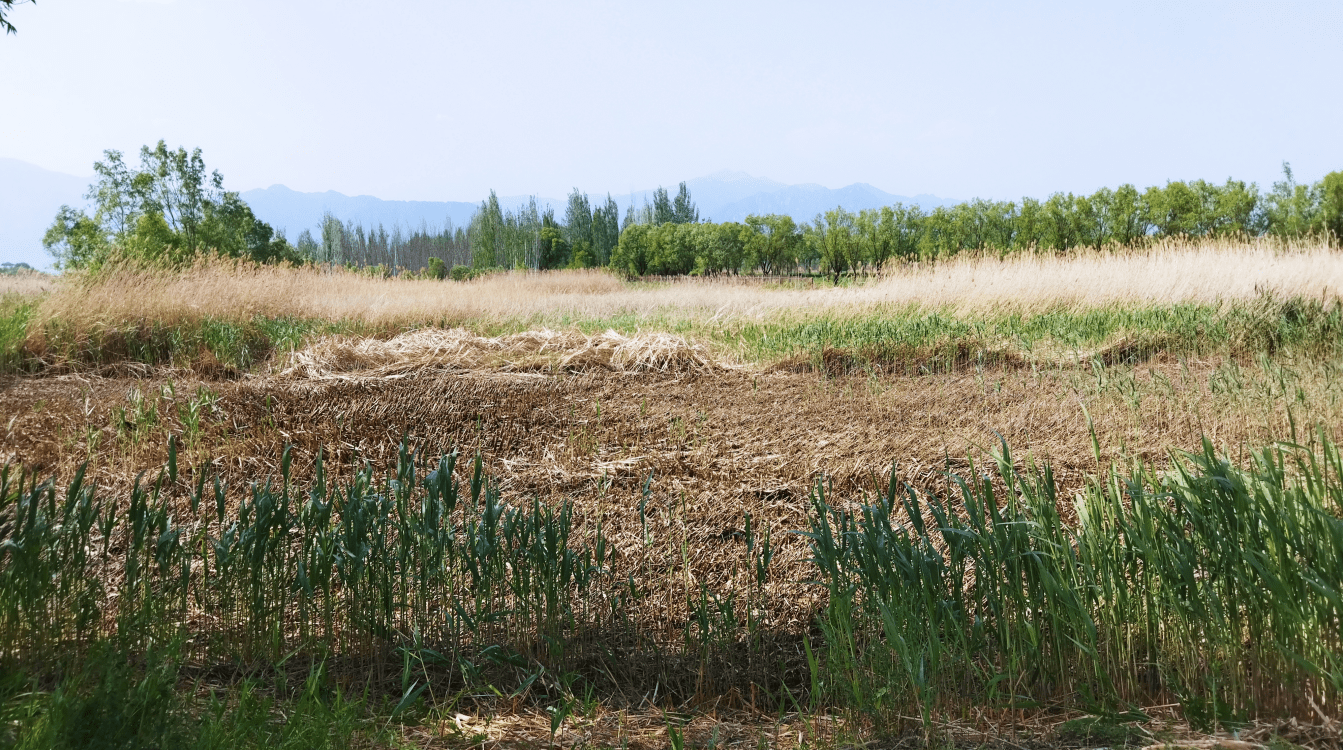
(840, 241)
(170, 209)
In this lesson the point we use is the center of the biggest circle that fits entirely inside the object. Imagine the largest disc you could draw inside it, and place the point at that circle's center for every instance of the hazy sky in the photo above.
(443, 101)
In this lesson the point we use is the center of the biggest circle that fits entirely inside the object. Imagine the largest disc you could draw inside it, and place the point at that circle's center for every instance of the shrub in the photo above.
(437, 268)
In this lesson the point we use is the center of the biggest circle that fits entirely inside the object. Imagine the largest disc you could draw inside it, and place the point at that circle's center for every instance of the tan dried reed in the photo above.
(1169, 272)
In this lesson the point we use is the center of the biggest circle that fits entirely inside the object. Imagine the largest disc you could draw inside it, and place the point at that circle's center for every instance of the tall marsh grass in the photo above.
(360, 568)
(1168, 273)
(1217, 587)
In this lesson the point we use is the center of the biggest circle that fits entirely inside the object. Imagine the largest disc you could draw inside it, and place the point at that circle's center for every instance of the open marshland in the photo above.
(1096, 499)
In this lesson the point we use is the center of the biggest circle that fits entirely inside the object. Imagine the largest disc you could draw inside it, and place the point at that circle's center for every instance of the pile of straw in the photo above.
(456, 349)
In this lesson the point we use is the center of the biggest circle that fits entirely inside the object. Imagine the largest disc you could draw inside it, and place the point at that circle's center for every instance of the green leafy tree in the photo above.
(774, 244)
(939, 236)
(833, 236)
(720, 248)
(631, 253)
(76, 240)
(1060, 230)
(1292, 209)
(1091, 218)
(1128, 216)
(578, 220)
(1176, 210)
(165, 212)
(1231, 209)
(487, 233)
(904, 226)
(307, 246)
(874, 243)
(1331, 205)
(437, 269)
(6, 7)
(1030, 225)
(671, 249)
(554, 249)
(229, 227)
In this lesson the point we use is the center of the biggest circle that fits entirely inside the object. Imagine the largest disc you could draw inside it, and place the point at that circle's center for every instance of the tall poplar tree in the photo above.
(605, 231)
(683, 209)
(662, 208)
(578, 223)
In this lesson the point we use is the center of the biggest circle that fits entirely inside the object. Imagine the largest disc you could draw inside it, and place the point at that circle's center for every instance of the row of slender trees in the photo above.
(530, 236)
(664, 236)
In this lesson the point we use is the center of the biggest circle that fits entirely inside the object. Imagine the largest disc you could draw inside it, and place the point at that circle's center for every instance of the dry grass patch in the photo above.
(27, 284)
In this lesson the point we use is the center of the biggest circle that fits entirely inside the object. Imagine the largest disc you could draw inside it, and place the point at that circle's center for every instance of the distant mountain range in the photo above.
(292, 211)
(30, 197)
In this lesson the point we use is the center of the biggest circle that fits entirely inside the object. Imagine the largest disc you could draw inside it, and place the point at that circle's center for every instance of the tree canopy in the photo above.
(164, 212)
(6, 7)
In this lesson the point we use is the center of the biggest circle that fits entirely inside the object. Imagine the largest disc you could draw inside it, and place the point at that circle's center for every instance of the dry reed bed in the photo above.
(1171, 272)
(27, 284)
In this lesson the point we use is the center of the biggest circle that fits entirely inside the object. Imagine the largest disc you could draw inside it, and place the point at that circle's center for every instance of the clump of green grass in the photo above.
(118, 700)
(207, 344)
(912, 338)
(1212, 585)
(15, 313)
(1103, 731)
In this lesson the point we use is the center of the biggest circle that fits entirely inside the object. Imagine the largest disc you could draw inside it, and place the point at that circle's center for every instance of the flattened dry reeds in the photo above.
(459, 349)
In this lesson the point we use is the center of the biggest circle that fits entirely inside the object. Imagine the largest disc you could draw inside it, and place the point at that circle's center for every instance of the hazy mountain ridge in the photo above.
(724, 196)
(292, 211)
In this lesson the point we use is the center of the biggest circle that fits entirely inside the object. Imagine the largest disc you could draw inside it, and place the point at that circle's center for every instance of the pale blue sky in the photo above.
(443, 101)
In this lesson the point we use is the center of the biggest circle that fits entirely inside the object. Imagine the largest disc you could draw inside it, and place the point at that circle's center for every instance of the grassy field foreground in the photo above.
(294, 508)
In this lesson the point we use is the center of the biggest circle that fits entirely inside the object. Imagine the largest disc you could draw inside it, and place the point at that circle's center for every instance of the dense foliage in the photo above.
(163, 213)
(666, 237)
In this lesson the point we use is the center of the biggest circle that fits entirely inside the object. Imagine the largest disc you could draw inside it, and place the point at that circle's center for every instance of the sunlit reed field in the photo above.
(1075, 501)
